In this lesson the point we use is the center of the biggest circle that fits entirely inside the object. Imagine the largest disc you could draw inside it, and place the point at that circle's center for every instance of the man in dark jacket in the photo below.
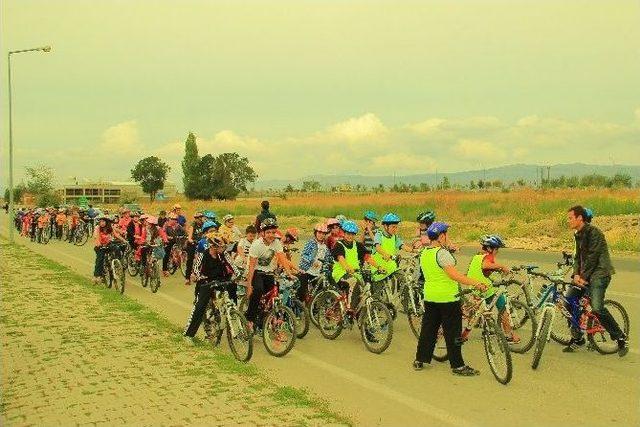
(592, 272)
(264, 214)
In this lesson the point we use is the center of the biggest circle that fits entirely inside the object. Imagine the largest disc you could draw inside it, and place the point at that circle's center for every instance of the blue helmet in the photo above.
(209, 224)
(588, 215)
(426, 217)
(349, 226)
(371, 216)
(209, 214)
(492, 241)
(436, 229)
(390, 218)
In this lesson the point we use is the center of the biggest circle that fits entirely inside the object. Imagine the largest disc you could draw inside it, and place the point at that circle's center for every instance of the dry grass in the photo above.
(529, 218)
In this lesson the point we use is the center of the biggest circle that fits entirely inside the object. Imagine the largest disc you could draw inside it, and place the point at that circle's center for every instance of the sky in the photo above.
(322, 87)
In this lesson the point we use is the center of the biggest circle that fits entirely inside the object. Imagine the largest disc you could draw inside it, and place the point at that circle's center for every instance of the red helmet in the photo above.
(321, 227)
(292, 232)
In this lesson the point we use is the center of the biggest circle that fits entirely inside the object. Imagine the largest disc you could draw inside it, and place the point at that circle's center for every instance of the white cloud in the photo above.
(121, 139)
(365, 127)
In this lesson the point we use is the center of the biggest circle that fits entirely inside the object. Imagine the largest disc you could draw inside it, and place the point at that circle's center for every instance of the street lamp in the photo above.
(11, 211)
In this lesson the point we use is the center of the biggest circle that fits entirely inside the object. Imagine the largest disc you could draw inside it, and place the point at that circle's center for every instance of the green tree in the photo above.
(39, 181)
(472, 185)
(18, 191)
(289, 189)
(191, 168)
(311, 186)
(445, 184)
(223, 177)
(151, 173)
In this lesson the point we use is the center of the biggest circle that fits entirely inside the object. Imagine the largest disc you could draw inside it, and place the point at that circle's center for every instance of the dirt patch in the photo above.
(73, 354)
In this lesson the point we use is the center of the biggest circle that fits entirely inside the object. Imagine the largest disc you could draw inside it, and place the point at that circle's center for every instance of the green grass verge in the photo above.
(285, 395)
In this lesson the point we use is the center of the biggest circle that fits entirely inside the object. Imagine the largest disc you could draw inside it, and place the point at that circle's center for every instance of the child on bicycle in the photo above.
(481, 267)
(209, 265)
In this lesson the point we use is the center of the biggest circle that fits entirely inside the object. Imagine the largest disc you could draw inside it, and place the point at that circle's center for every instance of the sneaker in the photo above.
(465, 371)
(623, 348)
(417, 365)
(574, 344)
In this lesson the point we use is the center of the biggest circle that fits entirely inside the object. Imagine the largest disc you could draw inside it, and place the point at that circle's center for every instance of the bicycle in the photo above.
(80, 236)
(276, 322)
(150, 273)
(495, 344)
(560, 331)
(222, 314)
(132, 265)
(288, 288)
(112, 270)
(391, 290)
(579, 317)
(373, 318)
(177, 256)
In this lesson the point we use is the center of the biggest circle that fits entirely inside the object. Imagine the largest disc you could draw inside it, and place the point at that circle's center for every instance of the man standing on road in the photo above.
(266, 213)
(592, 272)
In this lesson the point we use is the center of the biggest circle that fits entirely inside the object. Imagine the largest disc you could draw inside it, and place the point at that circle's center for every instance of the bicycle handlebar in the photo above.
(218, 285)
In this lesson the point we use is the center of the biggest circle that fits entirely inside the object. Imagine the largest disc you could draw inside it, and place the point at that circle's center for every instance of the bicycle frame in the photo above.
(578, 320)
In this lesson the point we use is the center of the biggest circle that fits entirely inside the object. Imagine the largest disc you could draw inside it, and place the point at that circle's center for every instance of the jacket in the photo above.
(592, 260)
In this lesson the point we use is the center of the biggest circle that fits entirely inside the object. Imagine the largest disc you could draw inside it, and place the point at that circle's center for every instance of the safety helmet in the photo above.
(436, 229)
(390, 218)
(588, 214)
(152, 220)
(341, 218)
(426, 217)
(292, 232)
(371, 216)
(144, 216)
(209, 214)
(207, 225)
(268, 223)
(321, 227)
(227, 217)
(332, 221)
(198, 215)
(349, 227)
(492, 241)
(104, 217)
(172, 216)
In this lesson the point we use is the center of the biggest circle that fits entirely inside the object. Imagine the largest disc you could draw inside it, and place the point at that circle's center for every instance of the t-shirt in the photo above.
(244, 245)
(316, 265)
(338, 250)
(445, 259)
(266, 254)
(490, 258)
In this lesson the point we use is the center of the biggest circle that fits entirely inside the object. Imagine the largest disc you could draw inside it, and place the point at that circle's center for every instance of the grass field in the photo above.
(533, 219)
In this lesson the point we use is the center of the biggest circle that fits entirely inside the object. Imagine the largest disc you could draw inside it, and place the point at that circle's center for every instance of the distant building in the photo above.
(109, 192)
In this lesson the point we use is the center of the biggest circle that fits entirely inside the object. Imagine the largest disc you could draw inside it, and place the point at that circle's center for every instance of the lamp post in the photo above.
(45, 49)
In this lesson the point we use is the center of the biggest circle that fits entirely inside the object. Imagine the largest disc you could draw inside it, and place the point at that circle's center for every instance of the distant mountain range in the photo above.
(507, 174)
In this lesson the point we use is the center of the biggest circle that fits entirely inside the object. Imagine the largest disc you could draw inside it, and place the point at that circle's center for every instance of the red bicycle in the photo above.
(276, 321)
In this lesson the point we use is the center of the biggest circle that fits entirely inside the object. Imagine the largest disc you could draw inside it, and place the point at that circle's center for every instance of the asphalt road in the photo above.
(582, 388)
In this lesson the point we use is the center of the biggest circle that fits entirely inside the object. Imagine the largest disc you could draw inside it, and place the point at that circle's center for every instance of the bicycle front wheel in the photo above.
(330, 314)
(80, 237)
(560, 327)
(279, 331)
(497, 351)
(415, 310)
(376, 327)
(302, 317)
(154, 280)
(542, 337)
(598, 337)
(118, 275)
(132, 265)
(239, 336)
(521, 314)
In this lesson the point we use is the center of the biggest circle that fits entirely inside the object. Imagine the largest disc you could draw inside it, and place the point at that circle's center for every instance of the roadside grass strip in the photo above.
(75, 353)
